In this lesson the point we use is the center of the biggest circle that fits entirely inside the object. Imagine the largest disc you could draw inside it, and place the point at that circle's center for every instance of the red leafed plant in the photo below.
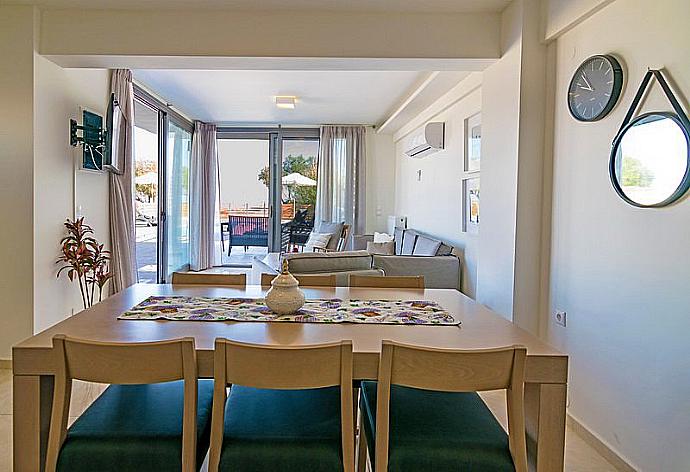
(85, 260)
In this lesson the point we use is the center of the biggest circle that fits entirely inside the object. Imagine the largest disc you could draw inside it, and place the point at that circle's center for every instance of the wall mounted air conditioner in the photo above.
(428, 141)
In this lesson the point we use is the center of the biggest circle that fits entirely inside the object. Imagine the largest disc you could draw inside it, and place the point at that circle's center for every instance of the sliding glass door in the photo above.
(162, 154)
(178, 156)
(267, 179)
(146, 179)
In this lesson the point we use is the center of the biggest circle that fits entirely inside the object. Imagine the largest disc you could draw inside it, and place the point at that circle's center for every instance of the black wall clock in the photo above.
(595, 88)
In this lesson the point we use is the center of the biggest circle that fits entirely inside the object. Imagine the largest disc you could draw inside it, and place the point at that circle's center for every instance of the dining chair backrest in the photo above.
(304, 280)
(450, 370)
(128, 364)
(387, 281)
(283, 368)
(203, 278)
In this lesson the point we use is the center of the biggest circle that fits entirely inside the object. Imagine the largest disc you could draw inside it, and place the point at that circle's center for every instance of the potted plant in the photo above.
(85, 260)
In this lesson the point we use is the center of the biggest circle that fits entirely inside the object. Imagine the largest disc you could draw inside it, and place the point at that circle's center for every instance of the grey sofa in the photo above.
(416, 253)
(342, 264)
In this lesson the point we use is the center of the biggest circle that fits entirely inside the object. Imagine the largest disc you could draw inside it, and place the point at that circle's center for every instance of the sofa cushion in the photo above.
(385, 249)
(408, 242)
(425, 246)
(398, 238)
(312, 262)
(335, 229)
(438, 271)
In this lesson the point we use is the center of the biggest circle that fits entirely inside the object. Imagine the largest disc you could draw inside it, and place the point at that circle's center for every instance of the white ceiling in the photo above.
(248, 97)
(437, 6)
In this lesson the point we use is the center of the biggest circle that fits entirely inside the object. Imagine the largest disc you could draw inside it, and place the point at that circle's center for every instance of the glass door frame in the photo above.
(165, 115)
(275, 136)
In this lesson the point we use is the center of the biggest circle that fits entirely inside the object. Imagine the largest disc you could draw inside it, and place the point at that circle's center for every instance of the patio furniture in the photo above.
(340, 245)
(301, 227)
(247, 231)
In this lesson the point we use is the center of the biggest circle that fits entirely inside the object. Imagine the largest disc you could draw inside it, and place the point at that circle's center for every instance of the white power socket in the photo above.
(560, 317)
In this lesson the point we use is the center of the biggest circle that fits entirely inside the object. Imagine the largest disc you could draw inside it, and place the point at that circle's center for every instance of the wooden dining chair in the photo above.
(157, 417)
(289, 408)
(424, 412)
(304, 280)
(205, 278)
(387, 281)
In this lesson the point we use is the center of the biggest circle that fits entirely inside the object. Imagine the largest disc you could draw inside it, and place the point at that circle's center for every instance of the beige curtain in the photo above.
(340, 192)
(122, 237)
(203, 189)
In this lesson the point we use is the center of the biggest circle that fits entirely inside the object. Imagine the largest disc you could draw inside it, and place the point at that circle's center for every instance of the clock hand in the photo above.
(587, 82)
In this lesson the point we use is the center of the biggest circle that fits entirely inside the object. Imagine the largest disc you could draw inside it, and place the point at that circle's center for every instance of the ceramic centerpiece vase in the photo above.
(284, 297)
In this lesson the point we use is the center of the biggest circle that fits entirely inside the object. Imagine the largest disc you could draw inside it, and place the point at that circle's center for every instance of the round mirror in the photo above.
(650, 162)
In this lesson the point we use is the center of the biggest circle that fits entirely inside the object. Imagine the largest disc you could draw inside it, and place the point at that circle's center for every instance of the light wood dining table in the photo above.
(546, 370)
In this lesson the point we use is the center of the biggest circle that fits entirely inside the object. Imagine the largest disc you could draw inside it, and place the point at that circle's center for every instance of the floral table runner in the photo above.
(334, 310)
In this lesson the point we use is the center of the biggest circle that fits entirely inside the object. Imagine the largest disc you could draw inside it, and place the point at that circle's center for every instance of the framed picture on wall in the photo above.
(473, 143)
(471, 216)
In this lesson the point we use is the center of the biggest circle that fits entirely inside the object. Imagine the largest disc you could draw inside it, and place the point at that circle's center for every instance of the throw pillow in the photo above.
(382, 237)
(383, 249)
(317, 241)
(425, 246)
(334, 229)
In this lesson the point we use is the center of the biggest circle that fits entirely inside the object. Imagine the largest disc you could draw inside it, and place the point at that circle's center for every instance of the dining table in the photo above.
(546, 371)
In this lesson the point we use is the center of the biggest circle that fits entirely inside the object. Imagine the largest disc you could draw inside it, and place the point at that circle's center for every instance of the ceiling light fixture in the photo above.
(286, 102)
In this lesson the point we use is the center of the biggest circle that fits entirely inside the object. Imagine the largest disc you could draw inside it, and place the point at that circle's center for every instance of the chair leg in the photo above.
(361, 448)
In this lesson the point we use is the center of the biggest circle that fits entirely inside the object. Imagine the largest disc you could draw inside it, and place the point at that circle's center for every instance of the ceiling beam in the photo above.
(278, 34)
(407, 100)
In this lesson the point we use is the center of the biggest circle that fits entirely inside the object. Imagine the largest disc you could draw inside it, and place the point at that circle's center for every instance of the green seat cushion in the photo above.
(437, 431)
(135, 428)
(282, 430)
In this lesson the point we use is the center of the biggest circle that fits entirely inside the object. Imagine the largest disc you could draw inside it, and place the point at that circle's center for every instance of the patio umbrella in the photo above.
(298, 179)
(150, 178)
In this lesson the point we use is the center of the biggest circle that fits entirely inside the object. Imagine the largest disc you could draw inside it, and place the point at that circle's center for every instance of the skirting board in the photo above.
(5, 363)
(600, 446)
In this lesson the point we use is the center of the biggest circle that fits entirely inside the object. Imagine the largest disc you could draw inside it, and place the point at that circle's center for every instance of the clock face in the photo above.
(595, 88)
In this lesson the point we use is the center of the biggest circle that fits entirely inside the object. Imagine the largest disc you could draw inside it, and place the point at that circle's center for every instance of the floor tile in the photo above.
(5, 392)
(579, 456)
(5, 443)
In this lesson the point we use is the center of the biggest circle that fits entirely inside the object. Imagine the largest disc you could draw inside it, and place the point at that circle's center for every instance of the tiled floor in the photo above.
(580, 457)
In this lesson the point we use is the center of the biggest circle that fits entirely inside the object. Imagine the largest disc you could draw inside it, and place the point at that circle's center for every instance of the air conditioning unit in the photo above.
(428, 141)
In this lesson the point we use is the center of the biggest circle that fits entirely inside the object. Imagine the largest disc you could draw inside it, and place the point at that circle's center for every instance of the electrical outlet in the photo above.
(560, 317)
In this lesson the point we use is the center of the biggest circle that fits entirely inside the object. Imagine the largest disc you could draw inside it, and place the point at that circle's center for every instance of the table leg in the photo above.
(545, 425)
(33, 397)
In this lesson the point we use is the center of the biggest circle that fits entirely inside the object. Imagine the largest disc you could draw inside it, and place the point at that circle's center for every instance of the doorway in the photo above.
(267, 186)
(162, 155)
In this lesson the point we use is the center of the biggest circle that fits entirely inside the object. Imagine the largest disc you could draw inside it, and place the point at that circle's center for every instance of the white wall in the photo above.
(500, 116)
(62, 191)
(622, 273)
(38, 186)
(380, 185)
(434, 205)
(16, 174)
